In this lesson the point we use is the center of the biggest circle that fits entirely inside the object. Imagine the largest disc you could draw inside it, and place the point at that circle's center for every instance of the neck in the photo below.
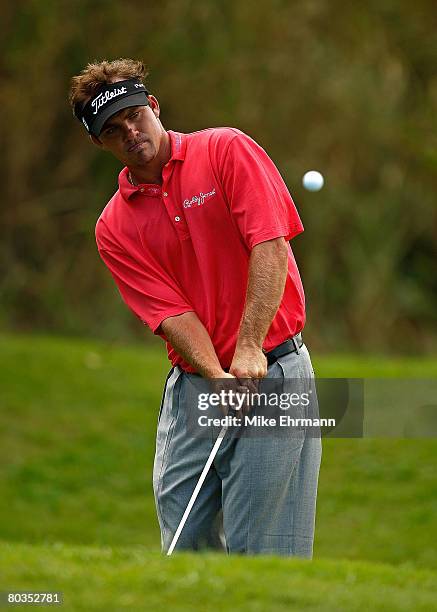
(152, 171)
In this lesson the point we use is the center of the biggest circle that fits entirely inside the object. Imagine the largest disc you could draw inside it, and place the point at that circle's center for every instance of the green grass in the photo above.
(134, 578)
(77, 439)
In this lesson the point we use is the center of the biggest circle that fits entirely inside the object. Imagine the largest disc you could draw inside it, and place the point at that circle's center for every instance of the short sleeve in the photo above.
(150, 293)
(259, 200)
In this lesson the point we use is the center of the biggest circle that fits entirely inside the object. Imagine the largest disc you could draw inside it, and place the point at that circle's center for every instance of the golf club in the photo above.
(197, 488)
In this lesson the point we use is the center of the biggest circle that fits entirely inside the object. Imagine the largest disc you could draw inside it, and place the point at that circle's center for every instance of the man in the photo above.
(196, 238)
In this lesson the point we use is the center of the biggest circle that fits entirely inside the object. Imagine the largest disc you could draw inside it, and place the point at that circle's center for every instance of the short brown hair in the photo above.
(85, 84)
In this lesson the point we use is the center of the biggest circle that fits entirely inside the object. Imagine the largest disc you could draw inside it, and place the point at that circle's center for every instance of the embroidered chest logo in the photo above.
(198, 200)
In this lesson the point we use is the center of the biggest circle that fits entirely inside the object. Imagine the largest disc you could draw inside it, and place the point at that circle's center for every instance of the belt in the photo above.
(289, 346)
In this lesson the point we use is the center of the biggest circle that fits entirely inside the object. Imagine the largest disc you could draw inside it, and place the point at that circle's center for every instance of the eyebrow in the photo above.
(122, 113)
(107, 125)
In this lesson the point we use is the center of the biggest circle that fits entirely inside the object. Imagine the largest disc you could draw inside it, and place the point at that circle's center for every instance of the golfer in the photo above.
(196, 238)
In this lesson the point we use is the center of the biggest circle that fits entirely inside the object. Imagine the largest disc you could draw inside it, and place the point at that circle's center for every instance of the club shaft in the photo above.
(197, 489)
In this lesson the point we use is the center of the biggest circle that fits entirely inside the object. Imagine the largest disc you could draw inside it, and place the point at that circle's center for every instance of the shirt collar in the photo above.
(178, 144)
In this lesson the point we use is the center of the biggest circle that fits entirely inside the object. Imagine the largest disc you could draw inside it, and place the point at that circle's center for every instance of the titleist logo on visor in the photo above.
(105, 97)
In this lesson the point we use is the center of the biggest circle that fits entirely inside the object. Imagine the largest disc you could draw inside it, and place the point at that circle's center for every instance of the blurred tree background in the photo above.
(347, 88)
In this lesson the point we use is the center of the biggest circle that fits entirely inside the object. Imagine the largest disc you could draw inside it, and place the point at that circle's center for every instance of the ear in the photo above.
(154, 105)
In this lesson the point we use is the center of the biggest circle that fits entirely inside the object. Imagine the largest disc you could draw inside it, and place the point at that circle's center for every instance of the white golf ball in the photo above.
(313, 180)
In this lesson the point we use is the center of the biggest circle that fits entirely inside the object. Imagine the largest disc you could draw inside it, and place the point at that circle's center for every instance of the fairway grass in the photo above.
(113, 578)
(77, 439)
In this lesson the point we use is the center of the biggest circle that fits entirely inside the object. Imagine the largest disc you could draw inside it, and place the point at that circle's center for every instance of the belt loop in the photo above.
(296, 345)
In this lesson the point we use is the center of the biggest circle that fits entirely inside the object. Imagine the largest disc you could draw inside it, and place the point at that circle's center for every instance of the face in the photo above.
(133, 135)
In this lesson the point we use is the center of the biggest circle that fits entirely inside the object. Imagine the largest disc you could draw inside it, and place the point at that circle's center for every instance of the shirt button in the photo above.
(177, 218)
(165, 194)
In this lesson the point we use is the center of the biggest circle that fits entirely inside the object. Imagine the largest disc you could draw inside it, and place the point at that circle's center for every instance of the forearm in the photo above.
(268, 266)
(188, 336)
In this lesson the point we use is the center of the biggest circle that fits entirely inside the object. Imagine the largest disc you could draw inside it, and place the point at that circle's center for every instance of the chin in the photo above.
(146, 155)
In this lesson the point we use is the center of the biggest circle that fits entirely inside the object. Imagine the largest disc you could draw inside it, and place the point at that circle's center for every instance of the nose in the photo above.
(129, 129)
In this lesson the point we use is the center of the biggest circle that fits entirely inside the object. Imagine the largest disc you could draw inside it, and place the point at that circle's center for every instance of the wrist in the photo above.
(212, 372)
(251, 344)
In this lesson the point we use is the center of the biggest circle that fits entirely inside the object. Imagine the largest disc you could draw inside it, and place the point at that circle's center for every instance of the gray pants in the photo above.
(260, 493)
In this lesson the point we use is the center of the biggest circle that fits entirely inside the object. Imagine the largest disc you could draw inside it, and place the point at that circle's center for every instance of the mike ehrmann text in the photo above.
(262, 421)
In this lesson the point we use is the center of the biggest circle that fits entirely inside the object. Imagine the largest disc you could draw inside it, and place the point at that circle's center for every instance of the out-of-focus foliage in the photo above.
(346, 88)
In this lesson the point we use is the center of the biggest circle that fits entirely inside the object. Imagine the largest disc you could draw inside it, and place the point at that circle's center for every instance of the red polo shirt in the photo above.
(185, 246)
